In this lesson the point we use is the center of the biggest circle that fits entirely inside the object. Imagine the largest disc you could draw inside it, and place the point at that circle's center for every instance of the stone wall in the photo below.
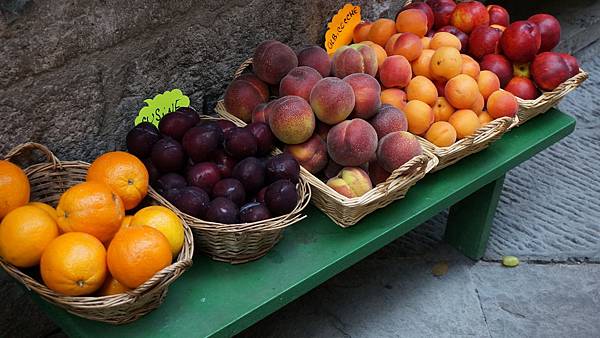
(73, 74)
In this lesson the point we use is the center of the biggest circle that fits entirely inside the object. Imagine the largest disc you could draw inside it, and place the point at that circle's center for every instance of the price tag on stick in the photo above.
(161, 105)
(341, 27)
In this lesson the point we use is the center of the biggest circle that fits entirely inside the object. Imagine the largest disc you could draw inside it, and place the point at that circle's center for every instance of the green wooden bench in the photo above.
(218, 299)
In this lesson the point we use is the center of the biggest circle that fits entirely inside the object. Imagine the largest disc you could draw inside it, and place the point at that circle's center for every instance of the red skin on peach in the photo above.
(377, 173)
(243, 95)
(388, 120)
(356, 58)
(502, 103)
(367, 94)
(352, 142)
(332, 100)
(299, 81)
(395, 72)
(273, 60)
(408, 45)
(397, 148)
(260, 113)
(291, 119)
(425, 8)
(468, 15)
(523, 88)
(317, 58)
(312, 154)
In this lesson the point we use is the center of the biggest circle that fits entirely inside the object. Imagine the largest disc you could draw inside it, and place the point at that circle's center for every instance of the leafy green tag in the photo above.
(161, 105)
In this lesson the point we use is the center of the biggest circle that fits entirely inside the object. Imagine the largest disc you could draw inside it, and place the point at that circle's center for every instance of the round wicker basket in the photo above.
(48, 181)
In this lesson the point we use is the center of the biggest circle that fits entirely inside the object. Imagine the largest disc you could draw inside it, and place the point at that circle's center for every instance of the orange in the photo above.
(111, 286)
(136, 253)
(24, 235)
(90, 207)
(14, 187)
(74, 264)
(47, 208)
(163, 220)
(124, 173)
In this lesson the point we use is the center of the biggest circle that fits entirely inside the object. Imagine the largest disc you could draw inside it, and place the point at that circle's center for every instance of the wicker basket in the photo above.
(48, 181)
(243, 242)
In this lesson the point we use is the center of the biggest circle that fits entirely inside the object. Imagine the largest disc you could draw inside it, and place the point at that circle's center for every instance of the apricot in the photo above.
(406, 44)
(422, 89)
(461, 91)
(394, 96)
(299, 81)
(332, 100)
(488, 82)
(273, 60)
(243, 95)
(425, 41)
(441, 133)
(317, 58)
(361, 31)
(395, 72)
(381, 30)
(465, 121)
(367, 92)
(291, 119)
(446, 63)
(397, 148)
(419, 116)
(485, 118)
(444, 39)
(420, 66)
(442, 109)
(352, 142)
(412, 21)
(502, 103)
(312, 154)
(356, 58)
(388, 120)
(381, 54)
(470, 66)
(478, 105)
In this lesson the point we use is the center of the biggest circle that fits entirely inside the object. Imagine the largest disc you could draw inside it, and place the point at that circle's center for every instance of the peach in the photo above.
(381, 54)
(446, 63)
(299, 81)
(470, 66)
(243, 95)
(442, 109)
(408, 45)
(317, 58)
(444, 39)
(397, 148)
(488, 82)
(502, 103)
(485, 118)
(291, 119)
(465, 121)
(377, 173)
(442, 134)
(361, 31)
(412, 21)
(394, 96)
(420, 66)
(395, 72)
(468, 15)
(381, 31)
(332, 100)
(478, 104)
(419, 116)
(422, 89)
(312, 154)
(261, 113)
(367, 92)
(351, 182)
(356, 58)
(273, 60)
(388, 120)
(352, 142)
(425, 41)
(461, 91)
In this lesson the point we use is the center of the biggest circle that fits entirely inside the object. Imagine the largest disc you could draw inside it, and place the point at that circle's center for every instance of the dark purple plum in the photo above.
(222, 210)
(264, 137)
(213, 125)
(240, 143)
(283, 167)
(169, 181)
(260, 195)
(230, 188)
(251, 172)
(254, 212)
(167, 155)
(141, 138)
(191, 113)
(199, 142)
(153, 173)
(281, 197)
(226, 125)
(192, 201)
(224, 162)
(175, 125)
(171, 195)
(203, 175)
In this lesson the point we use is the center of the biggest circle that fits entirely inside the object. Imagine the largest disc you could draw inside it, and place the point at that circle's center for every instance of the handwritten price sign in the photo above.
(340, 29)
(161, 105)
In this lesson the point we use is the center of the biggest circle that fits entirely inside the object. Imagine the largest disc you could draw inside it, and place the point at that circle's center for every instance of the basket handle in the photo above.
(21, 148)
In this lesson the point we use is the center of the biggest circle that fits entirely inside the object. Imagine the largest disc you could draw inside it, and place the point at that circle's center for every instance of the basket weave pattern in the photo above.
(48, 181)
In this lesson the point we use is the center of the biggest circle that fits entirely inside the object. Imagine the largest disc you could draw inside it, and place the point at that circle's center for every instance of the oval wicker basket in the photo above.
(243, 242)
(48, 181)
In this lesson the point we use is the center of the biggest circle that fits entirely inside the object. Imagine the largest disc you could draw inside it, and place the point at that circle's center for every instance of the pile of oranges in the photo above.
(88, 245)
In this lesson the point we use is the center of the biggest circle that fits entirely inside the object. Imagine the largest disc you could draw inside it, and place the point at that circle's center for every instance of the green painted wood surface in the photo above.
(218, 299)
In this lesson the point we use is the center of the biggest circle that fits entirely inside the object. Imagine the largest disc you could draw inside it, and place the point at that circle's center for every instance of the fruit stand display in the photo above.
(94, 261)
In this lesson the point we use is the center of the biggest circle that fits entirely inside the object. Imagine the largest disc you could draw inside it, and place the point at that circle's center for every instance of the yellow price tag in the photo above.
(161, 105)
(341, 27)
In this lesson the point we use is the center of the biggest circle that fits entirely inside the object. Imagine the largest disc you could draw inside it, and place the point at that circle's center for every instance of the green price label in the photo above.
(161, 105)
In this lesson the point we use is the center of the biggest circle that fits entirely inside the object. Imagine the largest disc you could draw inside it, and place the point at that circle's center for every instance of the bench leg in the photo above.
(470, 220)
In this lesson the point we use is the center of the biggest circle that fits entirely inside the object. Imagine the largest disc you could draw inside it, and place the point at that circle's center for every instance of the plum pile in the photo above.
(214, 170)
